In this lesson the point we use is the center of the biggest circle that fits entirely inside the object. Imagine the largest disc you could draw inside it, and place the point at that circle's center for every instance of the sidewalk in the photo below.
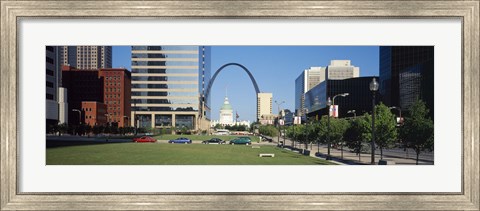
(351, 158)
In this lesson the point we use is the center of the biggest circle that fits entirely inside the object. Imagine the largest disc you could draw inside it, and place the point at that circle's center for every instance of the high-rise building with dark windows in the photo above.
(407, 73)
(359, 99)
(52, 84)
(168, 85)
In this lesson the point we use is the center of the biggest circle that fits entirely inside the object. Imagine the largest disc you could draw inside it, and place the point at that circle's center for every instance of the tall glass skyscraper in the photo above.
(407, 73)
(168, 85)
(308, 79)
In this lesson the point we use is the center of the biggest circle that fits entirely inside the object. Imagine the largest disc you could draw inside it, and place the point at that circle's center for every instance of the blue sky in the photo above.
(275, 69)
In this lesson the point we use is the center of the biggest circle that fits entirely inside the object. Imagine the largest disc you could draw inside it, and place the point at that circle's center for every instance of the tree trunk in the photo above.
(381, 153)
(418, 153)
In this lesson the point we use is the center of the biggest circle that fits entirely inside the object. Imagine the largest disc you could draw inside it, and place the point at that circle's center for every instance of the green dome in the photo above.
(226, 105)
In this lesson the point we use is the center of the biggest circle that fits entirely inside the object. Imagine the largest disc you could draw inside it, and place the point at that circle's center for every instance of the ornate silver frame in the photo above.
(467, 199)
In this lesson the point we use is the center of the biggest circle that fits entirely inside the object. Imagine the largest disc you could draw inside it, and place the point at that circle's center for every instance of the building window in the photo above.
(49, 84)
(50, 72)
(49, 60)
(49, 96)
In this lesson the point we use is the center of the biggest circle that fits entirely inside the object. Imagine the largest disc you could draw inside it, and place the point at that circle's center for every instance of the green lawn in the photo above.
(202, 137)
(173, 154)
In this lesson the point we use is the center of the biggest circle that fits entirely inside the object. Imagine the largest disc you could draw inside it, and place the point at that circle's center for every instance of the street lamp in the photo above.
(329, 103)
(399, 113)
(341, 95)
(354, 113)
(373, 89)
(79, 116)
(278, 107)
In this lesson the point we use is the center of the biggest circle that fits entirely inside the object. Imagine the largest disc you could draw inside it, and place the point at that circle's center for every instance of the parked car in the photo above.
(214, 141)
(241, 140)
(180, 141)
(144, 139)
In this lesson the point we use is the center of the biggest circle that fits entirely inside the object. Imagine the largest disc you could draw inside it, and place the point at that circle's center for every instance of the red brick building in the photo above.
(94, 113)
(116, 89)
(110, 86)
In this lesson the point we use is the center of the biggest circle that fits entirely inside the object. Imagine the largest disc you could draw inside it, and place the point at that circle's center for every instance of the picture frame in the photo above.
(13, 11)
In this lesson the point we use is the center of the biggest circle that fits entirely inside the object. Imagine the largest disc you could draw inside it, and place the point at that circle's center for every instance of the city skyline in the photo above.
(275, 69)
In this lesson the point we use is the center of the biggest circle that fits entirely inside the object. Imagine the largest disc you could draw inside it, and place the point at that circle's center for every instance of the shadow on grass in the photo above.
(59, 143)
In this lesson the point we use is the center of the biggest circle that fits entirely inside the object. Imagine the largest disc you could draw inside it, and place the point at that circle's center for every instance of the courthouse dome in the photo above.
(226, 105)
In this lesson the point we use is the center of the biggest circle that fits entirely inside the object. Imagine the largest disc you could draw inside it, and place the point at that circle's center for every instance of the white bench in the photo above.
(255, 147)
(266, 155)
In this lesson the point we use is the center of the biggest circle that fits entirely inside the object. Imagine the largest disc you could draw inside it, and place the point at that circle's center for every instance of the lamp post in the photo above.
(278, 107)
(399, 112)
(341, 95)
(354, 113)
(329, 103)
(373, 89)
(79, 116)
(333, 101)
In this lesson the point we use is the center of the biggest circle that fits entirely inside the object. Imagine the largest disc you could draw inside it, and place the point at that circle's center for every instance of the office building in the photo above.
(117, 96)
(407, 73)
(341, 69)
(168, 86)
(81, 85)
(308, 79)
(264, 105)
(52, 80)
(86, 57)
(95, 113)
(110, 86)
(62, 105)
(336, 70)
(359, 98)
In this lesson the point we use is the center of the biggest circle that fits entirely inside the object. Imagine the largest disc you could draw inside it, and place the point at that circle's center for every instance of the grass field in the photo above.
(174, 154)
(202, 137)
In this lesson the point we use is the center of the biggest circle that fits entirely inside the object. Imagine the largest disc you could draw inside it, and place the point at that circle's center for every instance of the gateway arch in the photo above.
(212, 80)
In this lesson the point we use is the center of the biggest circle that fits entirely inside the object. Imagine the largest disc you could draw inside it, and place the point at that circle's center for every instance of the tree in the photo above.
(312, 130)
(268, 130)
(62, 129)
(88, 130)
(417, 131)
(385, 128)
(97, 130)
(358, 132)
(337, 130)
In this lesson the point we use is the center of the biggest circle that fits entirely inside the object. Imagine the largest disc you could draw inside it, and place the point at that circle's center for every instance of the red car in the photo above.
(144, 139)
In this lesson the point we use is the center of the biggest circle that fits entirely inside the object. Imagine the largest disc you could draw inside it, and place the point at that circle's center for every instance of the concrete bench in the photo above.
(266, 155)
(386, 162)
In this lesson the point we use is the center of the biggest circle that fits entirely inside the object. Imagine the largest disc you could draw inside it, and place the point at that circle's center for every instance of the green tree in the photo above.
(218, 126)
(62, 129)
(96, 130)
(385, 128)
(337, 130)
(88, 130)
(417, 131)
(312, 131)
(358, 133)
(268, 130)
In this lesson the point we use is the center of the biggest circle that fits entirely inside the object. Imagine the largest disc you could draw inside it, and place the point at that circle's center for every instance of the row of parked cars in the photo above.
(240, 140)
